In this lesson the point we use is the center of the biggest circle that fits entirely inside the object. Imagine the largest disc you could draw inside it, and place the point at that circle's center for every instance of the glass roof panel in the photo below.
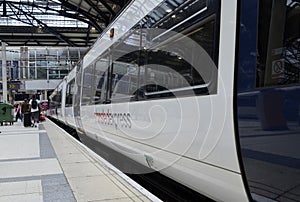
(35, 13)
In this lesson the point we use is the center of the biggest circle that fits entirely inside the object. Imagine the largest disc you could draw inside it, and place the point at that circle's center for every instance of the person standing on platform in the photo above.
(19, 112)
(27, 122)
(25, 107)
(35, 111)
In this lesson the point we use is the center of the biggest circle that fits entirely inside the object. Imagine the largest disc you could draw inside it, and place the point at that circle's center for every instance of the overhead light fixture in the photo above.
(39, 29)
(169, 10)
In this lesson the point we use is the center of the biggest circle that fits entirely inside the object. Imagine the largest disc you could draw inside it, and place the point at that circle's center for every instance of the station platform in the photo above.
(46, 164)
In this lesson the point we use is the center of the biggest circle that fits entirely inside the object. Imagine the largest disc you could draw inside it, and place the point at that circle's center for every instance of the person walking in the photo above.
(35, 111)
(27, 120)
(19, 112)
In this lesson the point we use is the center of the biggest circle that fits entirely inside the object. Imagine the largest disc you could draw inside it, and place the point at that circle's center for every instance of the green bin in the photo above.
(6, 114)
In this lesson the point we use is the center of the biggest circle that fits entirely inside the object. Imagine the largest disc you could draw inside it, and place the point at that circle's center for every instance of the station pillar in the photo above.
(4, 72)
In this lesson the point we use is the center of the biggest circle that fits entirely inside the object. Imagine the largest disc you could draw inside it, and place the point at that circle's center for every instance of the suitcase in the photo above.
(27, 119)
(42, 118)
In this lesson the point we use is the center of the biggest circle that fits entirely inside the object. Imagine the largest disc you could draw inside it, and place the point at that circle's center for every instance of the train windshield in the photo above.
(268, 98)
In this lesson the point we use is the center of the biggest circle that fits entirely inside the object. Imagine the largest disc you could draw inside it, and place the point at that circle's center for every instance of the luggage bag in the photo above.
(27, 119)
(42, 118)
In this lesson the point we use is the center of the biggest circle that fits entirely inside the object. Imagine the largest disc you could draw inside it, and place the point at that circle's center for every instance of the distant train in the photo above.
(206, 92)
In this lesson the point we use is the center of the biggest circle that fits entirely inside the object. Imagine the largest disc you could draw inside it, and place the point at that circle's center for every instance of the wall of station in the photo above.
(31, 70)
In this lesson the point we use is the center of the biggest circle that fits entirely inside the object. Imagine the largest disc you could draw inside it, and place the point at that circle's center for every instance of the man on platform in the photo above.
(35, 110)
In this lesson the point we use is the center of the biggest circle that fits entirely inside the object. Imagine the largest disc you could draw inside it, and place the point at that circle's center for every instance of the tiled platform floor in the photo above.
(46, 164)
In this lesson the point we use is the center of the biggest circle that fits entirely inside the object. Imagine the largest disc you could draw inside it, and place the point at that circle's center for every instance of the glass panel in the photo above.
(101, 76)
(177, 70)
(70, 92)
(87, 85)
(167, 14)
(56, 99)
(41, 72)
(124, 81)
(268, 98)
(76, 99)
(180, 45)
(125, 69)
(278, 43)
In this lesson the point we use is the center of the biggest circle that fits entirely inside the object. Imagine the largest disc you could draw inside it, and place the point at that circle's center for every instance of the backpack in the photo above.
(34, 104)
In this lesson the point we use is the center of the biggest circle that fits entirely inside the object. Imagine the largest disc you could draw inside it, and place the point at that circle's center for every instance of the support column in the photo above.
(35, 67)
(45, 94)
(4, 72)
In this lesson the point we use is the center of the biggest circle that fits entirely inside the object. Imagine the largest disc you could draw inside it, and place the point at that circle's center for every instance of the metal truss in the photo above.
(91, 15)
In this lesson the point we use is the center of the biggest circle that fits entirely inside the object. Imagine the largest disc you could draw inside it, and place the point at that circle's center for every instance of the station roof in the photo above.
(75, 23)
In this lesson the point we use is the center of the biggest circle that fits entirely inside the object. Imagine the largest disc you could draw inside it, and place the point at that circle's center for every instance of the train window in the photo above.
(125, 70)
(87, 85)
(166, 16)
(147, 64)
(278, 45)
(76, 99)
(56, 98)
(267, 109)
(124, 81)
(182, 50)
(183, 65)
(70, 92)
(100, 83)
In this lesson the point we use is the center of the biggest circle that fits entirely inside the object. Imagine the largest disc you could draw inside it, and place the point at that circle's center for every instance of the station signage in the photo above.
(12, 85)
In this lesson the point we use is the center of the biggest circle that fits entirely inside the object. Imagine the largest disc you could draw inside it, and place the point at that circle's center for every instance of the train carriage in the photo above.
(205, 92)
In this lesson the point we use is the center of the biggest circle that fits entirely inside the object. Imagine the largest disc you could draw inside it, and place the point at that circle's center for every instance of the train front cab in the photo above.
(267, 98)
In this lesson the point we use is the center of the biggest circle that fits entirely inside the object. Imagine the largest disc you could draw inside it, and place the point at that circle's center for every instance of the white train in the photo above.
(205, 92)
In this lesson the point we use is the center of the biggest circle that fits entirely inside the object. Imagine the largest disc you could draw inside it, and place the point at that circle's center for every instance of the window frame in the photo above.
(212, 11)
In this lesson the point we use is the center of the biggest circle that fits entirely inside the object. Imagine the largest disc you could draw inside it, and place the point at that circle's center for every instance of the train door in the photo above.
(102, 67)
(63, 100)
(70, 91)
(268, 98)
(76, 98)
